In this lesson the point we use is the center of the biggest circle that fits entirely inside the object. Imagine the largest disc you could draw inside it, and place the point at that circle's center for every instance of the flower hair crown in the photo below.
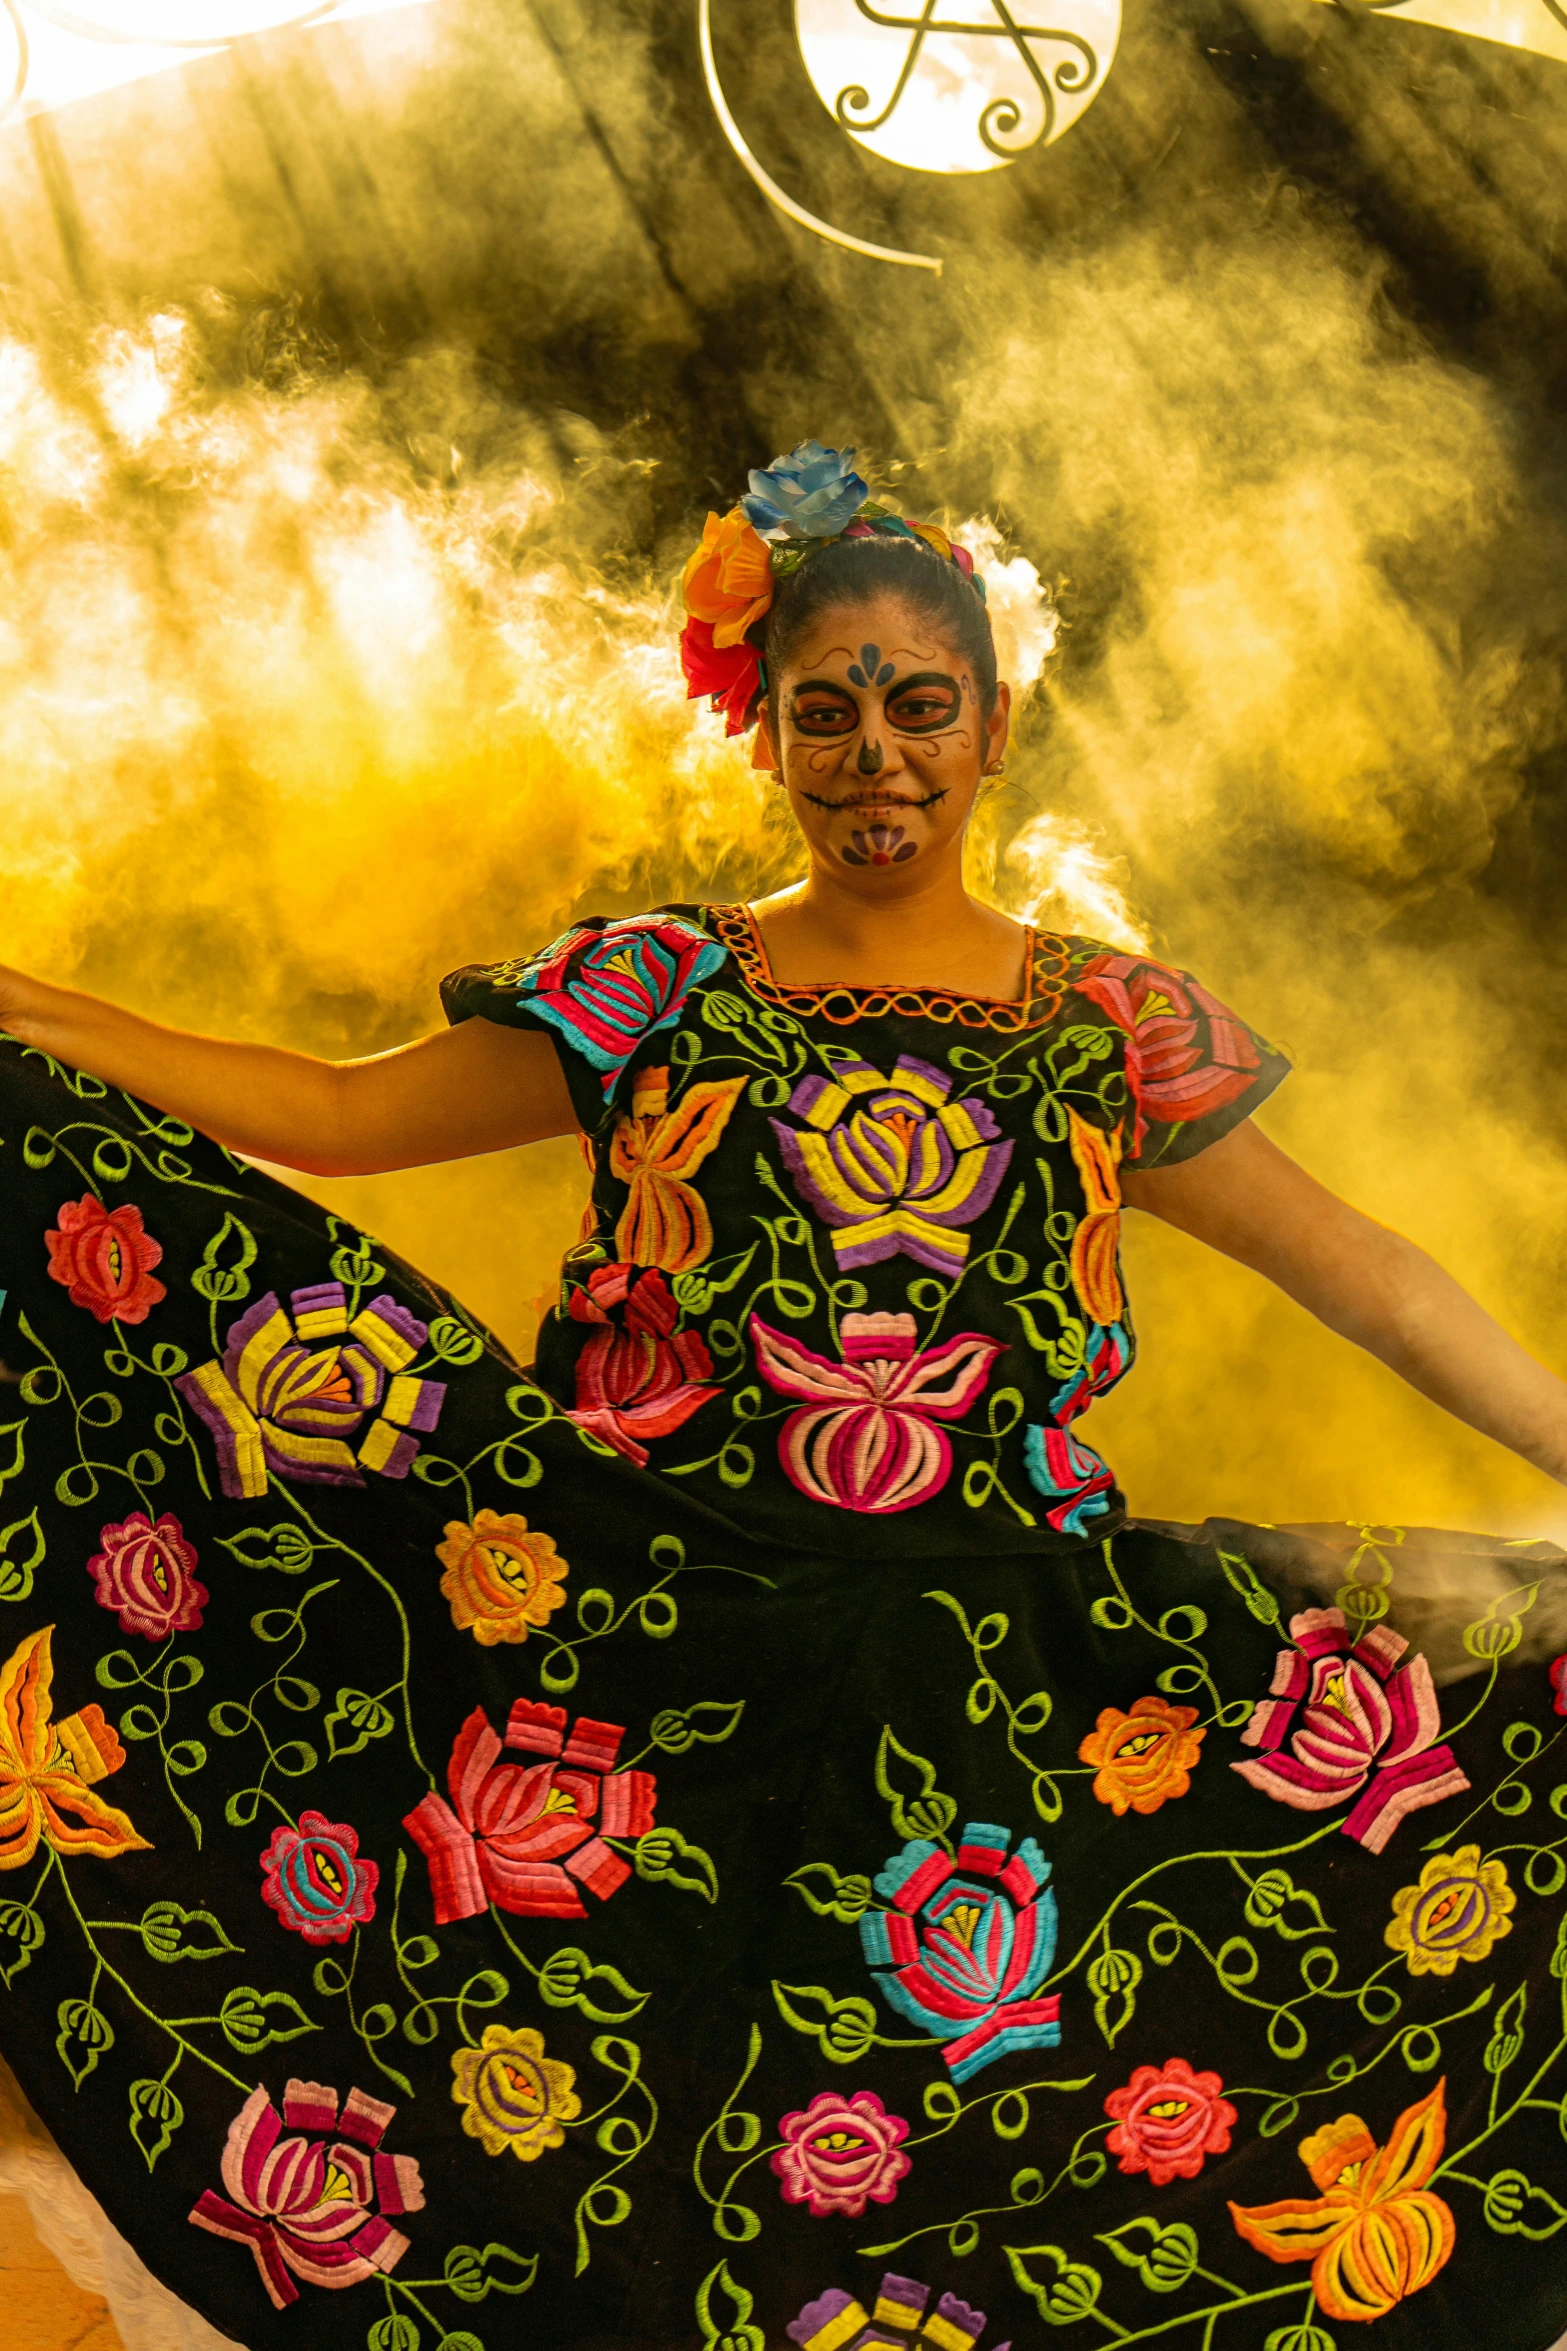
(801, 503)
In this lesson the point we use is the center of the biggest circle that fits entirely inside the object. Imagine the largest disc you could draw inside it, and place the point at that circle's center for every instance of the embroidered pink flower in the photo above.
(1168, 2121)
(606, 990)
(1559, 1681)
(1171, 1076)
(147, 1574)
(639, 1378)
(312, 2205)
(313, 1878)
(104, 1257)
(1355, 1720)
(869, 1437)
(841, 2154)
(525, 1836)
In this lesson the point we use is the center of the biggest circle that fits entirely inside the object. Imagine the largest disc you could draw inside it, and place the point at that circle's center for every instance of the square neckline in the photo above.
(758, 965)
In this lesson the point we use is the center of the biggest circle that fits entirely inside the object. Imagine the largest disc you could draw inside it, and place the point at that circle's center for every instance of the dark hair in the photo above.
(852, 571)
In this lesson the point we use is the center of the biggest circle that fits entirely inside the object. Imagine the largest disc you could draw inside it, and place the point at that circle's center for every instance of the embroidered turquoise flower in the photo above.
(810, 494)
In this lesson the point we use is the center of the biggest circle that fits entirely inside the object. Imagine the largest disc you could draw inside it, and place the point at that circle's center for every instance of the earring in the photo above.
(995, 769)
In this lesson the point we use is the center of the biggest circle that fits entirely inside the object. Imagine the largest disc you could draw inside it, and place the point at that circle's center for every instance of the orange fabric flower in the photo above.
(1144, 1757)
(655, 1151)
(728, 580)
(1096, 1275)
(501, 1579)
(47, 1768)
(1375, 2234)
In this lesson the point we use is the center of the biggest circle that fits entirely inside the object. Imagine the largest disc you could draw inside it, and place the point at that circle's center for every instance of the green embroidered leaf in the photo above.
(844, 2030)
(85, 2033)
(461, 2341)
(470, 2277)
(395, 2333)
(1072, 2293)
(253, 2020)
(708, 1723)
(164, 1932)
(454, 1341)
(919, 1809)
(1300, 2338)
(1559, 1955)
(664, 1854)
(1507, 2032)
(1242, 1578)
(1499, 1631)
(287, 1548)
(738, 2334)
(22, 1548)
(13, 1457)
(358, 1267)
(156, 2114)
(1164, 2260)
(23, 1929)
(1514, 2207)
(222, 1282)
(566, 1978)
(360, 1715)
(1270, 1900)
(848, 1898)
(1113, 1980)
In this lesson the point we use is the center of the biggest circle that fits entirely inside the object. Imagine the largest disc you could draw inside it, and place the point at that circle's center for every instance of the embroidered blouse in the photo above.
(852, 1270)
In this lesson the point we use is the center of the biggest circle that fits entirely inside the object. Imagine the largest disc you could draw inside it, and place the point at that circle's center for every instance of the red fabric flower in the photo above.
(104, 1258)
(729, 675)
(1168, 2121)
(639, 1378)
(1171, 1076)
(147, 1574)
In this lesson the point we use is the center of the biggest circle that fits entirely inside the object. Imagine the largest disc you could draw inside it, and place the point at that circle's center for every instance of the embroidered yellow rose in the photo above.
(1459, 1908)
(512, 2095)
(501, 1579)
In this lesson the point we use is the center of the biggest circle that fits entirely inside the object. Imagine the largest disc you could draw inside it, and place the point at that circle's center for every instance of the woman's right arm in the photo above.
(476, 1087)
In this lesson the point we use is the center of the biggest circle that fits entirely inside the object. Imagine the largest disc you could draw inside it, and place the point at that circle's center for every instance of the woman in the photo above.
(732, 1835)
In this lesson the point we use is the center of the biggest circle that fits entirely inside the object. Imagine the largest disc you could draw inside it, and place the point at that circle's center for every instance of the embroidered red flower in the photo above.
(841, 2154)
(1168, 2121)
(104, 1258)
(639, 1378)
(1171, 1077)
(313, 1878)
(525, 1836)
(1559, 1681)
(147, 1574)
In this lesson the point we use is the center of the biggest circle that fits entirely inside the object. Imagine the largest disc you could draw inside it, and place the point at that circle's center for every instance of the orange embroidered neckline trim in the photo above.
(1045, 963)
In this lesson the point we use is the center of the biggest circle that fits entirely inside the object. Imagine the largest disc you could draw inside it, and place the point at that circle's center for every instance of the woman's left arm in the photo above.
(1248, 1198)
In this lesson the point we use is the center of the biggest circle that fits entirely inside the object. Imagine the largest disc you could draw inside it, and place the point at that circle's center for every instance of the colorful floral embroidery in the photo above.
(48, 1769)
(1095, 1258)
(870, 1436)
(655, 1152)
(891, 1164)
(513, 1831)
(1559, 1681)
(280, 1401)
(1145, 1757)
(1363, 1722)
(313, 1878)
(1375, 2234)
(104, 1257)
(605, 991)
(311, 2205)
(502, 1580)
(147, 1574)
(983, 1944)
(1458, 1909)
(1075, 1480)
(1168, 2121)
(837, 2322)
(641, 1378)
(1171, 1079)
(513, 2097)
(841, 2154)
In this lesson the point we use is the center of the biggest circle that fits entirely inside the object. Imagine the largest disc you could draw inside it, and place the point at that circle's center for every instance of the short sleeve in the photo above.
(599, 990)
(1194, 1069)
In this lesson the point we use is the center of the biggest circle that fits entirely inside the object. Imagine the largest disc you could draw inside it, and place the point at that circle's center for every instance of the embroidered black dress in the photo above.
(729, 1837)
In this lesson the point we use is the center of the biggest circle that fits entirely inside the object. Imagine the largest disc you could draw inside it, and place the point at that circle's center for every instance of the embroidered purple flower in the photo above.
(281, 1400)
(606, 990)
(1355, 1722)
(966, 1944)
(891, 1164)
(312, 2205)
(147, 1574)
(837, 2322)
(1074, 1479)
(869, 1437)
(841, 2154)
(313, 1878)
(813, 493)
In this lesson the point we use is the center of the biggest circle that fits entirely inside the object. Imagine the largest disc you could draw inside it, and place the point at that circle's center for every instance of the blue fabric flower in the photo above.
(810, 494)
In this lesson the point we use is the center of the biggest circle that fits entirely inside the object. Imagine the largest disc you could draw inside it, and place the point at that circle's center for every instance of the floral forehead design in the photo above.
(797, 504)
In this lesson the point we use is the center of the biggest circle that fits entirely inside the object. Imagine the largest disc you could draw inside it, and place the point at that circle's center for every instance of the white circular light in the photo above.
(967, 87)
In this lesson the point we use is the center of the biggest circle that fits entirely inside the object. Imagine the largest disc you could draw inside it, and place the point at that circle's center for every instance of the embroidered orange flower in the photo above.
(728, 580)
(655, 1151)
(1144, 1757)
(47, 1768)
(1375, 2234)
(1096, 1276)
(502, 1579)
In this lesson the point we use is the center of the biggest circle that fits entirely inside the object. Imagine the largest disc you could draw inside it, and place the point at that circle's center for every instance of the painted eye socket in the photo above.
(820, 710)
(923, 705)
